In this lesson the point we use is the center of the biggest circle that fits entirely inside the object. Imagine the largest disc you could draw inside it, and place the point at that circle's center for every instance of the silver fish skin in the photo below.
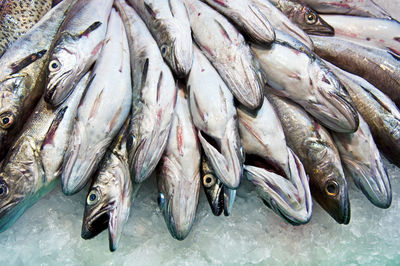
(304, 16)
(215, 120)
(315, 148)
(300, 75)
(213, 187)
(362, 161)
(95, 129)
(179, 172)
(247, 17)
(379, 67)
(23, 72)
(363, 8)
(168, 21)
(276, 172)
(32, 166)
(280, 22)
(228, 51)
(77, 48)
(154, 96)
(111, 193)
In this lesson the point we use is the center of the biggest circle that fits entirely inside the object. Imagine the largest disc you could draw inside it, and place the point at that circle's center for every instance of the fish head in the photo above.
(62, 71)
(213, 188)
(329, 187)
(331, 105)
(312, 23)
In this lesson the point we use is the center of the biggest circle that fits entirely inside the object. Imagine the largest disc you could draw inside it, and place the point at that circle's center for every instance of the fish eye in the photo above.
(3, 189)
(331, 188)
(163, 49)
(311, 18)
(54, 65)
(93, 197)
(161, 200)
(208, 180)
(6, 120)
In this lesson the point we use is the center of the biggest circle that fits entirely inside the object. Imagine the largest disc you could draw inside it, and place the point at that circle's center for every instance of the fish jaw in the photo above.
(183, 58)
(213, 188)
(229, 199)
(320, 27)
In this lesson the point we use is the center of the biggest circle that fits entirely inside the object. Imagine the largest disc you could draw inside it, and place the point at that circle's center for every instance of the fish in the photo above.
(248, 18)
(298, 74)
(33, 164)
(304, 16)
(17, 17)
(229, 199)
(77, 48)
(95, 129)
(378, 110)
(362, 8)
(213, 188)
(168, 21)
(111, 193)
(379, 67)
(228, 52)
(154, 97)
(316, 150)
(282, 23)
(178, 175)
(275, 171)
(215, 120)
(372, 32)
(362, 161)
(23, 71)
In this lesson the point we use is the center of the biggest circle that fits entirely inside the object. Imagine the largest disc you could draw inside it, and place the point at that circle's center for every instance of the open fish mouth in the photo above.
(96, 224)
(325, 30)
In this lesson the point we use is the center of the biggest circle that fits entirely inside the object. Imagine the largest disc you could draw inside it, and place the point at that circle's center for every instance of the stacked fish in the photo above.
(202, 93)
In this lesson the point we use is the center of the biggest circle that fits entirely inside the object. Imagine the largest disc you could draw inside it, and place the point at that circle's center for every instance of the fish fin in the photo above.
(91, 28)
(21, 64)
(223, 30)
(150, 10)
(53, 127)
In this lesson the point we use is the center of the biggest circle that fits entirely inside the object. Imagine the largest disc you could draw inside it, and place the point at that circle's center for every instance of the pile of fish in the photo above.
(200, 93)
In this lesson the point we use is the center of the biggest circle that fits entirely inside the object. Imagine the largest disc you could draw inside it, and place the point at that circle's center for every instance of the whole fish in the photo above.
(373, 32)
(17, 17)
(276, 172)
(247, 17)
(154, 96)
(380, 113)
(94, 129)
(363, 8)
(298, 74)
(23, 70)
(77, 48)
(362, 161)
(215, 120)
(179, 173)
(303, 16)
(168, 21)
(228, 51)
(111, 193)
(319, 155)
(379, 67)
(280, 22)
(213, 188)
(33, 164)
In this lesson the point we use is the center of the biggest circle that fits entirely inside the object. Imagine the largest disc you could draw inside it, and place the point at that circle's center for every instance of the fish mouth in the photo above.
(321, 30)
(50, 95)
(96, 224)
(216, 199)
(229, 196)
(182, 62)
(10, 212)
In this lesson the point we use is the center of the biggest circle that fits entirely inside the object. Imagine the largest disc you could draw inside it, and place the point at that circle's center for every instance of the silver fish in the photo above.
(213, 187)
(77, 48)
(111, 193)
(95, 129)
(168, 21)
(299, 74)
(272, 167)
(248, 18)
(319, 155)
(179, 173)
(227, 50)
(215, 120)
(362, 161)
(154, 96)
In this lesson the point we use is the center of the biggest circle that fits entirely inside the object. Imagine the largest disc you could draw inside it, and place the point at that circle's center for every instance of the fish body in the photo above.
(379, 67)
(94, 129)
(250, 20)
(300, 75)
(303, 16)
(168, 21)
(179, 173)
(154, 96)
(215, 120)
(77, 48)
(228, 51)
(319, 155)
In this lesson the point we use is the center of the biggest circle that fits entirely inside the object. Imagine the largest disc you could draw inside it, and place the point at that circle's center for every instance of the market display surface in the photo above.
(218, 123)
